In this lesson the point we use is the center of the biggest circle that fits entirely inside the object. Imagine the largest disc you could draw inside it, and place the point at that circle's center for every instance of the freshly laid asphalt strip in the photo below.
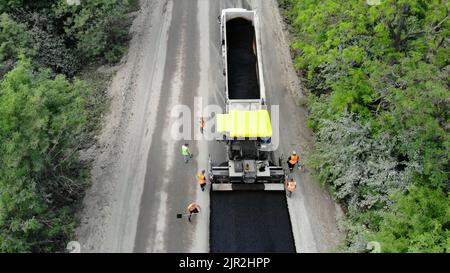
(250, 221)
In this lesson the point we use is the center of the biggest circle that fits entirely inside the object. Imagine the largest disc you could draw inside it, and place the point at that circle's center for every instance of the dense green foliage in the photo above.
(46, 112)
(379, 99)
(419, 222)
(65, 37)
(14, 39)
(40, 122)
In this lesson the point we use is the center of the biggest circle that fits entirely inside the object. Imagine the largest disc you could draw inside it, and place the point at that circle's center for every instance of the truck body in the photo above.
(245, 127)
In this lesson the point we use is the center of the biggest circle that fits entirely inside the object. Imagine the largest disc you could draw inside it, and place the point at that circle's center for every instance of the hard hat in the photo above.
(294, 153)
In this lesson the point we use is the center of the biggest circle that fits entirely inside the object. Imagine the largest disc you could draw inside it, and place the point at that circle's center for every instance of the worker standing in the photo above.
(192, 208)
(201, 178)
(291, 186)
(202, 125)
(186, 153)
(293, 160)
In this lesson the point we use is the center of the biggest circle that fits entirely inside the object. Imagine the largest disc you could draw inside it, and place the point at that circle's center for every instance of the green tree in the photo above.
(419, 222)
(378, 81)
(44, 115)
(99, 26)
(40, 175)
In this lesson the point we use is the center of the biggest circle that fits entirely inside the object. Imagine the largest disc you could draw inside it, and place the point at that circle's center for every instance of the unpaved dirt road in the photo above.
(139, 181)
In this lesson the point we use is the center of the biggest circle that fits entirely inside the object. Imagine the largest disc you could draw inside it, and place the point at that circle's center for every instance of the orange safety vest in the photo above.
(291, 186)
(201, 179)
(293, 160)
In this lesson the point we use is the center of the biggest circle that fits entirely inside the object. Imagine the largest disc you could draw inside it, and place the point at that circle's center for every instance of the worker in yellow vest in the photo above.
(291, 186)
(292, 161)
(192, 208)
(201, 178)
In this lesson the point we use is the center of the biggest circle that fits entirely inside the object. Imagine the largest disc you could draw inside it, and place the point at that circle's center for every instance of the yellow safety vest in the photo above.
(201, 179)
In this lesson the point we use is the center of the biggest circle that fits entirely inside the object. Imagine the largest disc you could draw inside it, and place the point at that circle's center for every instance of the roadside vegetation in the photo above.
(378, 87)
(48, 111)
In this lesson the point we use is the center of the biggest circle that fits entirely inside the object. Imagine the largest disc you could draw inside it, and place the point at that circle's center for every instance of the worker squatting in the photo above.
(228, 263)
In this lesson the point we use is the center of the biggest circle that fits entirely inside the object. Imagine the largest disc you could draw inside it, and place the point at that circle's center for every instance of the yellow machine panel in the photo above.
(239, 123)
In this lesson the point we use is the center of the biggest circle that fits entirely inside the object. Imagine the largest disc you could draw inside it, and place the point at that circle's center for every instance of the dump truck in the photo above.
(245, 127)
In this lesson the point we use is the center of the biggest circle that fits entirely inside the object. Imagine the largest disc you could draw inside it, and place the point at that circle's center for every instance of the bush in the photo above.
(419, 222)
(359, 167)
(66, 37)
(40, 175)
(99, 27)
(14, 40)
(50, 48)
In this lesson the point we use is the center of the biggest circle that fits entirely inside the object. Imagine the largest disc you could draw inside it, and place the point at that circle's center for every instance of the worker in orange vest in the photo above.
(291, 186)
(192, 208)
(292, 160)
(201, 178)
(202, 125)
